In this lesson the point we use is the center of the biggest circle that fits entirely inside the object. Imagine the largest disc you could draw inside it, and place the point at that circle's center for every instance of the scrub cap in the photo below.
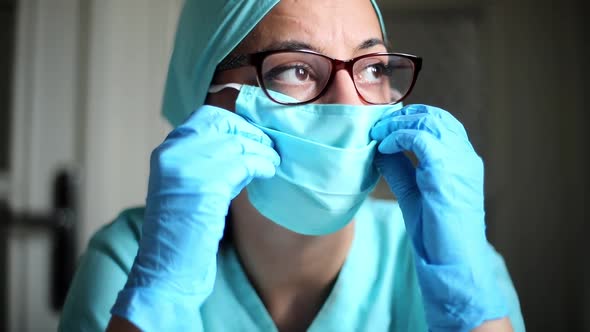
(208, 30)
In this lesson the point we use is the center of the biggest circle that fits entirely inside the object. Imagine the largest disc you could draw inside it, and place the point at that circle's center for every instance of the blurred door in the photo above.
(86, 89)
(43, 135)
(7, 18)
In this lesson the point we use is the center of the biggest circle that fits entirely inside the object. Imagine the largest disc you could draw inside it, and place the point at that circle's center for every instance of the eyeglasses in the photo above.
(301, 76)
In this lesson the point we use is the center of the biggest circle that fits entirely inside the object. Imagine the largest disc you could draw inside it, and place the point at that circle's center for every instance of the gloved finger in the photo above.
(446, 117)
(175, 163)
(251, 167)
(261, 150)
(211, 167)
(427, 123)
(419, 121)
(184, 150)
(424, 145)
(256, 161)
(208, 120)
(259, 166)
(449, 121)
(432, 119)
(232, 150)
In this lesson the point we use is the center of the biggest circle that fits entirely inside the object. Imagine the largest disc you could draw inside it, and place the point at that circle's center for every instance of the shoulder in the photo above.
(101, 273)
(120, 238)
(127, 225)
(396, 253)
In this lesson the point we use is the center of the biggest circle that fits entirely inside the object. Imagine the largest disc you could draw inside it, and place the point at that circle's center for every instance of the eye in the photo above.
(372, 73)
(291, 75)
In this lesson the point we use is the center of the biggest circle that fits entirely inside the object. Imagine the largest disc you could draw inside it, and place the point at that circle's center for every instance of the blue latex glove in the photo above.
(195, 173)
(442, 203)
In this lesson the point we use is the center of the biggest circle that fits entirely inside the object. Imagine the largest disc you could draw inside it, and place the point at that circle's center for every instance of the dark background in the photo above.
(516, 74)
(6, 45)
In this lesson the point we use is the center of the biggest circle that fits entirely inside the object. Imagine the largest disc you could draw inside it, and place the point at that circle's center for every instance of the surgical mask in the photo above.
(326, 169)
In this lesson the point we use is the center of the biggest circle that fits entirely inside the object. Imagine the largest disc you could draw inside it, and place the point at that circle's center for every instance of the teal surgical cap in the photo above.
(208, 30)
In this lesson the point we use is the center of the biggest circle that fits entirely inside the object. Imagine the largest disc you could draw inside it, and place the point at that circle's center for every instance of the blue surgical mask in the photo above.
(326, 169)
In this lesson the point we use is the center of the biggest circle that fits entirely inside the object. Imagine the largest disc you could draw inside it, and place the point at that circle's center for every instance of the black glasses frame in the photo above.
(257, 59)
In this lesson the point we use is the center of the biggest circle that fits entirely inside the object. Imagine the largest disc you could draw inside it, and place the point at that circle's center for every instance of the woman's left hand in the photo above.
(442, 202)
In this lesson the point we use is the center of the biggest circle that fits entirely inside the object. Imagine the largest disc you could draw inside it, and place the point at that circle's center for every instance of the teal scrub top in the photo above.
(376, 290)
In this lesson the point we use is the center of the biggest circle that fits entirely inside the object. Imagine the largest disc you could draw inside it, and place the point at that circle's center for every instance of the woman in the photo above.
(291, 141)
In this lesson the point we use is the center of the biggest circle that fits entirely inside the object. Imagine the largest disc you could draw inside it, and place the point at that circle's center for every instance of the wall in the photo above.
(45, 99)
(584, 7)
(540, 202)
(128, 49)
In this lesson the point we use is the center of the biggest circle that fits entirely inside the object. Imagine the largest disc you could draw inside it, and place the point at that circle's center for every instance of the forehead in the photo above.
(337, 28)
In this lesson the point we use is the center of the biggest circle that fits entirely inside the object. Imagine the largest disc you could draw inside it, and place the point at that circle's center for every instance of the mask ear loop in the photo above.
(218, 87)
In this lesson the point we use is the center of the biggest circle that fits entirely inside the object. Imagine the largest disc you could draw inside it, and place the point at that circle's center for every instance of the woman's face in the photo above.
(341, 29)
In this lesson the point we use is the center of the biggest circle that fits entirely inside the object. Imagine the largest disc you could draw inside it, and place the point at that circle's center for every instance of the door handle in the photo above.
(64, 236)
(61, 223)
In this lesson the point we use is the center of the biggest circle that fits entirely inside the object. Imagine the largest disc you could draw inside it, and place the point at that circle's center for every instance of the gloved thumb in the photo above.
(398, 172)
(400, 175)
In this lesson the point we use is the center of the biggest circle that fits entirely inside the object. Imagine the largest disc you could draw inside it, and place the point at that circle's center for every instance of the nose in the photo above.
(342, 90)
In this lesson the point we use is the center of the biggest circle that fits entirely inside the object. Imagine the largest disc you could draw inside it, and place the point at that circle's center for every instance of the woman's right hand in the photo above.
(195, 173)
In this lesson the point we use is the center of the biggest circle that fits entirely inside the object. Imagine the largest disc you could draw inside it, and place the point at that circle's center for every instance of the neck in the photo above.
(292, 273)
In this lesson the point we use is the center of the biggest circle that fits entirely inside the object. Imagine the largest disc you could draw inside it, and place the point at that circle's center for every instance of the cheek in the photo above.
(225, 99)
(244, 75)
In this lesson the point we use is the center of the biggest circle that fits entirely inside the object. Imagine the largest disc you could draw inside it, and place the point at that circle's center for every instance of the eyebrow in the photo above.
(288, 45)
(292, 45)
(370, 43)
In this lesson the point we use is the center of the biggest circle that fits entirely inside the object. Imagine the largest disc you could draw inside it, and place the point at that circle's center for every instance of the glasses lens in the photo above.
(295, 77)
(383, 79)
